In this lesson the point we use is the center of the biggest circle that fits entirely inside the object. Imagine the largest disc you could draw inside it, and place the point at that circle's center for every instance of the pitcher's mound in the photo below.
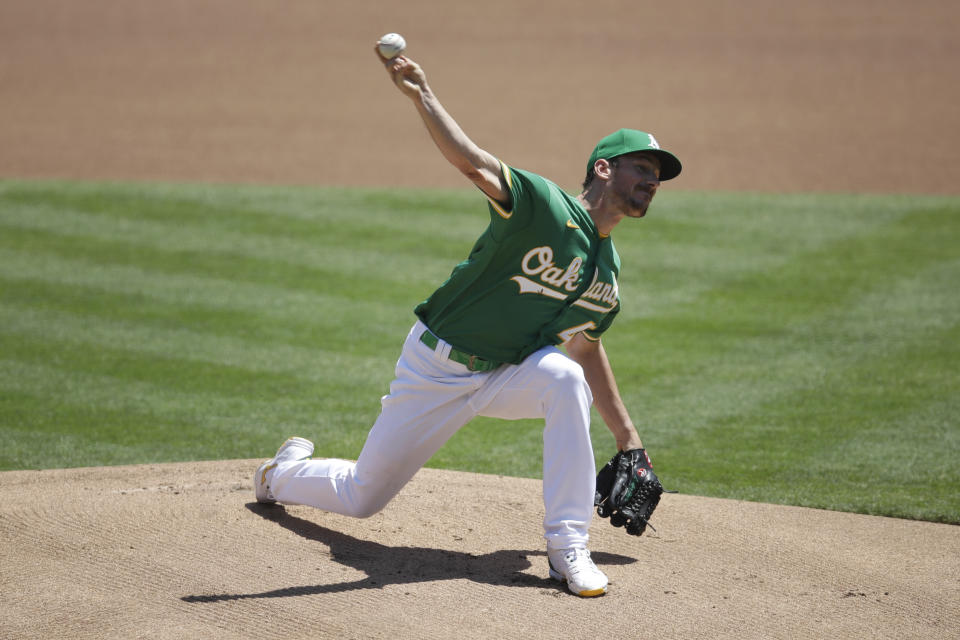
(183, 551)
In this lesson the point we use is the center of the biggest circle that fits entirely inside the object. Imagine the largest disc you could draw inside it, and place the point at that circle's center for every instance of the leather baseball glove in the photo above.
(628, 491)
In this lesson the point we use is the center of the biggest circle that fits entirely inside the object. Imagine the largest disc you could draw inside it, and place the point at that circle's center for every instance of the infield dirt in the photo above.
(855, 96)
(183, 551)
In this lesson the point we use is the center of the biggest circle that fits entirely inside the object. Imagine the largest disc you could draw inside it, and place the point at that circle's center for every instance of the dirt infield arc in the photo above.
(183, 551)
(856, 96)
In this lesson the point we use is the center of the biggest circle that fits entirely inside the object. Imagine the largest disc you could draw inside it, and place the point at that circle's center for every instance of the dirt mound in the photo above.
(182, 550)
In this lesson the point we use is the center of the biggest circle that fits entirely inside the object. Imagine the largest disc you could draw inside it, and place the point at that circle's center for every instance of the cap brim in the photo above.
(670, 166)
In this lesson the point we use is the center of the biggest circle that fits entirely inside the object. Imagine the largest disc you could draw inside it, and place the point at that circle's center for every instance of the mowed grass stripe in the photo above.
(742, 331)
(248, 383)
(272, 308)
(843, 410)
(866, 354)
(198, 417)
(253, 256)
(38, 430)
(758, 313)
(308, 365)
(169, 374)
(367, 217)
(694, 243)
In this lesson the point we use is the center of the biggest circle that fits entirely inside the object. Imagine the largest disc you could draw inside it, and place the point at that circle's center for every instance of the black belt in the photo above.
(471, 362)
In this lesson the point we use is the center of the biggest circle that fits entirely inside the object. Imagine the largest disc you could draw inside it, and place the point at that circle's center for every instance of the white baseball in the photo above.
(391, 45)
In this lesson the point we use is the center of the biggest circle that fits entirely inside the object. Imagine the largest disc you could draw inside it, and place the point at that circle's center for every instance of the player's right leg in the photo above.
(427, 404)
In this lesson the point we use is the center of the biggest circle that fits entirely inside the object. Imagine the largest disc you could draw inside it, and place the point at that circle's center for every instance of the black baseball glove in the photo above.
(628, 491)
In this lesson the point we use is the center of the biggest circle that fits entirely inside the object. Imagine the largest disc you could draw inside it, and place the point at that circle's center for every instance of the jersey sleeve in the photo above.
(528, 194)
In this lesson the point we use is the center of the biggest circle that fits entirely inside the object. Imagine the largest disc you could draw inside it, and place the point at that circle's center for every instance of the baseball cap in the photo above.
(630, 140)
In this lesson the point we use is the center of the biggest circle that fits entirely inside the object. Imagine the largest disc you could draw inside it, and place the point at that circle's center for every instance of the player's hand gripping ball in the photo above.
(391, 45)
(628, 491)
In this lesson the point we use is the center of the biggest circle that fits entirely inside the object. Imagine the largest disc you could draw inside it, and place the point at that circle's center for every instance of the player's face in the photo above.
(634, 182)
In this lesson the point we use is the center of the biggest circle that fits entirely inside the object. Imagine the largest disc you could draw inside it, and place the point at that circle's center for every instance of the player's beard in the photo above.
(635, 202)
(640, 201)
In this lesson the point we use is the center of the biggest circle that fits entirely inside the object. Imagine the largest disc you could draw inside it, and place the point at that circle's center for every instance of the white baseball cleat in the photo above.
(575, 567)
(291, 450)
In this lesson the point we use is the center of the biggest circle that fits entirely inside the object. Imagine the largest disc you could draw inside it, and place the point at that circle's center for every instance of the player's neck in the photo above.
(604, 217)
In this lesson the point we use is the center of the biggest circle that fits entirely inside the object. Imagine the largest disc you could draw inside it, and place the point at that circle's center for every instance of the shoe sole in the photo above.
(587, 593)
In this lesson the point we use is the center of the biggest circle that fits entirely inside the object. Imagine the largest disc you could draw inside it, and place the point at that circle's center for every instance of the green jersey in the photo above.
(538, 275)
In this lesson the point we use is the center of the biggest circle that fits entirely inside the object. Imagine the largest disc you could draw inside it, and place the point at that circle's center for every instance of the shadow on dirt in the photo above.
(385, 565)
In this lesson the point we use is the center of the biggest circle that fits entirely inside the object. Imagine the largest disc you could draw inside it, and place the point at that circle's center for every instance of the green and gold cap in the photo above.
(629, 140)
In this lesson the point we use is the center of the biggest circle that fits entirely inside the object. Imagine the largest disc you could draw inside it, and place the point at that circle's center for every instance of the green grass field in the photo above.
(800, 349)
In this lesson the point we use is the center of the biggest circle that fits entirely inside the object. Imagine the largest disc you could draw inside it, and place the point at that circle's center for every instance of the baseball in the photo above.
(391, 45)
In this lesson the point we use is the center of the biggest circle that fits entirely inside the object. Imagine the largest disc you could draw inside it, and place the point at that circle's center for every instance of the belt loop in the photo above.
(443, 350)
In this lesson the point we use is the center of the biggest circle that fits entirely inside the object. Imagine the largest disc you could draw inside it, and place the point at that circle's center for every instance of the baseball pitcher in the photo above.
(542, 275)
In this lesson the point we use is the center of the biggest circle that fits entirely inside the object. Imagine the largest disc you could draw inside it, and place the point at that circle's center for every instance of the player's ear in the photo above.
(603, 168)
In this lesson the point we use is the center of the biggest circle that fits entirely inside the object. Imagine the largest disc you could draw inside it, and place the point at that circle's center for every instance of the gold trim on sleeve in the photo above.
(508, 176)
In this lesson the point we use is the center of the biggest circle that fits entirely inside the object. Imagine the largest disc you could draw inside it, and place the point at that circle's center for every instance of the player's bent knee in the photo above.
(366, 507)
(569, 382)
(366, 511)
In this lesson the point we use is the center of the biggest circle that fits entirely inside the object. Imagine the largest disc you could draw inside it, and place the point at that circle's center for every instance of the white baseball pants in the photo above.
(430, 399)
